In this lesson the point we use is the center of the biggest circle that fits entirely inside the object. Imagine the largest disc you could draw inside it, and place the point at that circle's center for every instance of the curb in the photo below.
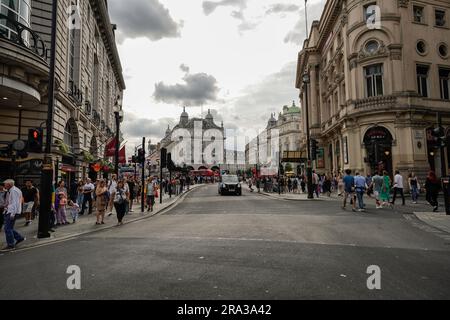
(290, 199)
(430, 225)
(51, 241)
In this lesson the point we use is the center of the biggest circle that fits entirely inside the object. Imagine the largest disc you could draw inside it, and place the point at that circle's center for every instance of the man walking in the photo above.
(349, 189)
(13, 208)
(360, 189)
(315, 183)
(398, 187)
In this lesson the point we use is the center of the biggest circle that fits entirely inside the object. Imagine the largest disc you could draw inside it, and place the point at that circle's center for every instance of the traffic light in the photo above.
(170, 163)
(439, 134)
(141, 156)
(163, 158)
(313, 149)
(35, 139)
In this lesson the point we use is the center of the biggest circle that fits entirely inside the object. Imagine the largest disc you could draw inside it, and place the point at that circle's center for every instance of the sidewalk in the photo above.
(437, 220)
(86, 223)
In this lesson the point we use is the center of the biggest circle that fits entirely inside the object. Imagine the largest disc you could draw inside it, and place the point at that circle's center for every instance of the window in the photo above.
(68, 137)
(372, 46)
(422, 80)
(15, 10)
(421, 47)
(374, 80)
(439, 16)
(443, 50)
(444, 80)
(418, 14)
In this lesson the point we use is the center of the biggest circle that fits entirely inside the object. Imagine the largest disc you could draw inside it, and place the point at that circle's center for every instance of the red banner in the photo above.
(110, 148)
(122, 156)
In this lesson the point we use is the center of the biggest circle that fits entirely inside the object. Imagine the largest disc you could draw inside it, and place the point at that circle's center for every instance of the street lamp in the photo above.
(306, 81)
(119, 117)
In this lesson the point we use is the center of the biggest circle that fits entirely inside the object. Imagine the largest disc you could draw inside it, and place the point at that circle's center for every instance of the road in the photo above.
(249, 247)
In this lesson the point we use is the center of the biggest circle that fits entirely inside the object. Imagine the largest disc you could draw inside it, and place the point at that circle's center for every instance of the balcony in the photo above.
(374, 103)
(23, 65)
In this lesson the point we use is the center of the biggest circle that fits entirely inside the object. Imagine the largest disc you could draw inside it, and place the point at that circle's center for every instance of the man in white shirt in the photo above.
(13, 209)
(398, 187)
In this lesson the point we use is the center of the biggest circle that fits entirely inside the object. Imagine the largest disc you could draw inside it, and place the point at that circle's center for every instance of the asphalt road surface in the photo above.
(249, 247)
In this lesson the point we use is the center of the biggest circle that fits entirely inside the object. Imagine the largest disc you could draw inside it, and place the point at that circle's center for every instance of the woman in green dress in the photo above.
(385, 189)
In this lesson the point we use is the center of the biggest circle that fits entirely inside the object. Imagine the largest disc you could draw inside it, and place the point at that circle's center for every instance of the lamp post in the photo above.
(47, 169)
(306, 81)
(119, 117)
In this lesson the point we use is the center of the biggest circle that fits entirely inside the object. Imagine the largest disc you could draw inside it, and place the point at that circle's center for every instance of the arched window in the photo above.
(68, 137)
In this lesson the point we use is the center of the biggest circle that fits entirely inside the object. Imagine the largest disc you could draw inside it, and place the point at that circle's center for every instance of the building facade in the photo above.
(288, 129)
(89, 81)
(205, 148)
(378, 77)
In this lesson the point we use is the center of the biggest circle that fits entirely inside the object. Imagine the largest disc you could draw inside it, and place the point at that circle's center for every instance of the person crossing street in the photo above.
(13, 209)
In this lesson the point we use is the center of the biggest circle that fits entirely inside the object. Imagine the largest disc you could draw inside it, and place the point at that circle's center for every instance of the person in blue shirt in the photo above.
(349, 189)
(360, 189)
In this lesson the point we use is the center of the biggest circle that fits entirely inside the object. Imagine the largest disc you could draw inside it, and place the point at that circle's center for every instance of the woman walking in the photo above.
(432, 186)
(385, 190)
(414, 187)
(120, 197)
(101, 201)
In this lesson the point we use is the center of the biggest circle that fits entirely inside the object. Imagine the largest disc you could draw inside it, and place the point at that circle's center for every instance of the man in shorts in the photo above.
(349, 189)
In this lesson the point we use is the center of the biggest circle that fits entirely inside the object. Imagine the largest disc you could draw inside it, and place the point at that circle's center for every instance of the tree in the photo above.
(288, 167)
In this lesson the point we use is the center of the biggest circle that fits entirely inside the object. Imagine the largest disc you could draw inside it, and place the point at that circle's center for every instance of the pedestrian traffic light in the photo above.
(163, 158)
(35, 138)
(439, 134)
(313, 149)
(141, 156)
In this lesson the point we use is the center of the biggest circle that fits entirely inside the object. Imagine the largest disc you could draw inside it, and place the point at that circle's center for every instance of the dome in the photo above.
(209, 116)
(294, 108)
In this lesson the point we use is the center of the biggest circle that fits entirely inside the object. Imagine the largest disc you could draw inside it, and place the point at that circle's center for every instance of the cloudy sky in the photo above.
(237, 57)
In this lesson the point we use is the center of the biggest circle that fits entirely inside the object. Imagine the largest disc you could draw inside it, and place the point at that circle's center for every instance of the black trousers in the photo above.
(399, 190)
(120, 209)
(432, 198)
(86, 199)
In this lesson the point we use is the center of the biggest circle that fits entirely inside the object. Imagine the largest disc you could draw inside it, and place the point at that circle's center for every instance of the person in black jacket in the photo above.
(432, 186)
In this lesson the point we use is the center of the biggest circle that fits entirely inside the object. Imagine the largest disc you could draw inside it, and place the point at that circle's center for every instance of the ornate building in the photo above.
(89, 81)
(379, 75)
(290, 138)
(205, 136)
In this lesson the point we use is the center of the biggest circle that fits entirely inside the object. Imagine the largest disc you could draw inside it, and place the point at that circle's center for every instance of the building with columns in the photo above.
(379, 75)
(89, 82)
(287, 128)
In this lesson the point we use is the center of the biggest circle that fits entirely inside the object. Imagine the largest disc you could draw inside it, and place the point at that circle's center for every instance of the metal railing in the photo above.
(23, 36)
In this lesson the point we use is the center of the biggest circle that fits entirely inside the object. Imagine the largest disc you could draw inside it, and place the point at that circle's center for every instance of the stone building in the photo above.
(290, 139)
(89, 81)
(379, 75)
(206, 141)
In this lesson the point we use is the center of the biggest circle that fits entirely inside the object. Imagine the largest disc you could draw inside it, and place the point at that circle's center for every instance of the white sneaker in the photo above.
(110, 214)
